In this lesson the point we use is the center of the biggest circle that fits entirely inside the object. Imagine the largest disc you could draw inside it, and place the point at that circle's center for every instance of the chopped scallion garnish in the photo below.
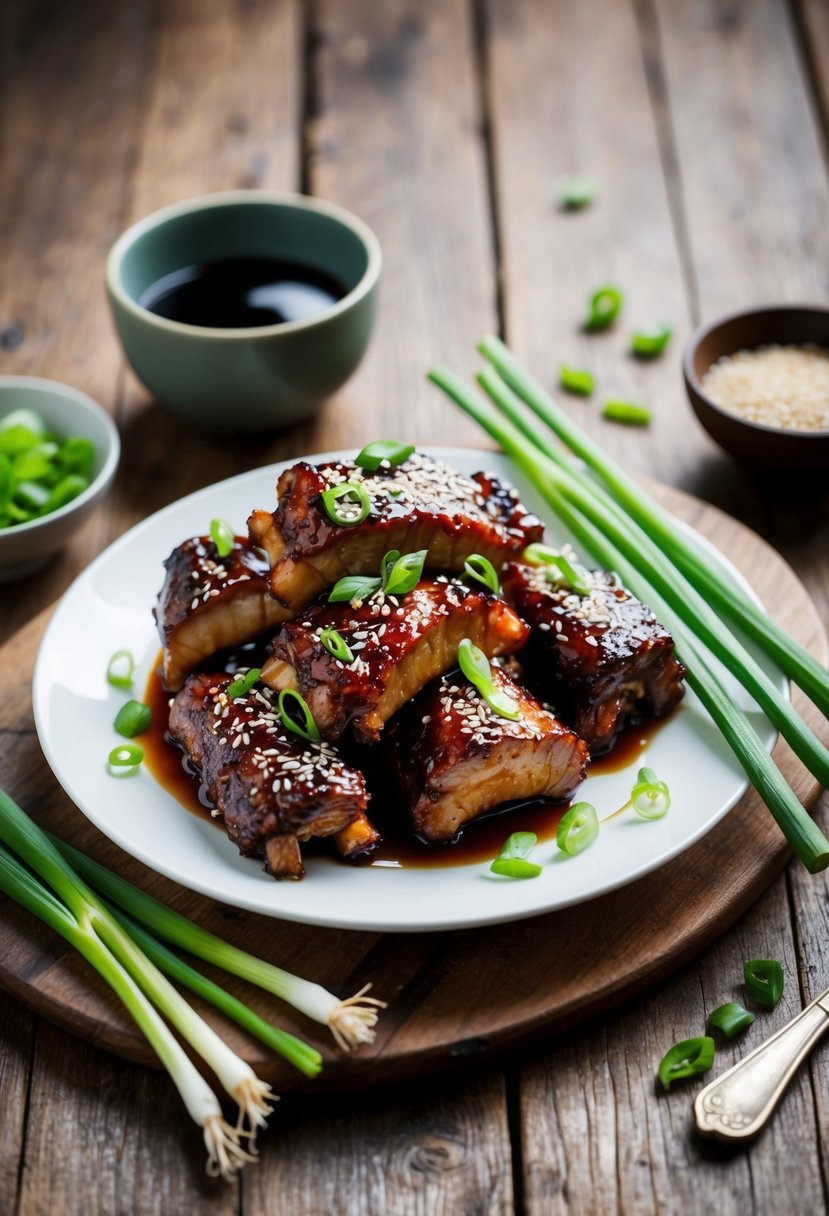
(575, 380)
(577, 191)
(385, 452)
(125, 760)
(730, 1019)
(688, 1058)
(512, 862)
(347, 504)
(223, 537)
(629, 412)
(650, 343)
(764, 981)
(560, 569)
(336, 645)
(120, 669)
(353, 589)
(603, 308)
(307, 728)
(482, 570)
(475, 666)
(401, 574)
(241, 686)
(577, 828)
(650, 797)
(133, 719)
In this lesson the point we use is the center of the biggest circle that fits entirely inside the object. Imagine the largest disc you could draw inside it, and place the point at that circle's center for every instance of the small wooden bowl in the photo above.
(751, 443)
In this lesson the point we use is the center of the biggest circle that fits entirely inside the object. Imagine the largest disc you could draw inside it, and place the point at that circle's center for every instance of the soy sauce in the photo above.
(240, 293)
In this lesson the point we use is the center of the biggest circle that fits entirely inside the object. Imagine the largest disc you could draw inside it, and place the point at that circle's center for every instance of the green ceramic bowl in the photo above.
(245, 381)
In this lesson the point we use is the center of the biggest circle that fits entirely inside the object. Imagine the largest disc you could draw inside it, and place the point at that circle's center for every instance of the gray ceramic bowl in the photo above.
(244, 381)
(24, 548)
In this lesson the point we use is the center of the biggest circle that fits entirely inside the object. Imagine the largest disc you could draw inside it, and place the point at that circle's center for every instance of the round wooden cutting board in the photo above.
(453, 997)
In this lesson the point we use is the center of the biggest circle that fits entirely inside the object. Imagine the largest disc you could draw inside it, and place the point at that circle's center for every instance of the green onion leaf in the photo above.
(577, 191)
(482, 570)
(650, 343)
(475, 666)
(336, 645)
(730, 1019)
(651, 797)
(242, 685)
(125, 761)
(764, 981)
(133, 719)
(577, 828)
(511, 861)
(603, 308)
(563, 571)
(223, 537)
(575, 380)
(402, 574)
(347, 504)
(387, 452)
(688, 1058)
(120, 669)
(353, 589)
(627, 411)
(308, 728)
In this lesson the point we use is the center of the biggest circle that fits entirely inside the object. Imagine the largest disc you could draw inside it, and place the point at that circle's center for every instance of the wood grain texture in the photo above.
(452, 997)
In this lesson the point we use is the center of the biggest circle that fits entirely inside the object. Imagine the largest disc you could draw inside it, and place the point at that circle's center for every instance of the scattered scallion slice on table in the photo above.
(629, 412)
(575, 380)
(688, 1058)
(133, 718)
(120, 669)
(650, 797)
(222, 536)
(603, 308)
(241, 686)
(347, 504)
(577, 828)
(336, 645)
(650, 343)
(482, 570)
(291, 702)
(730, 1019)
(577, 191)
(475, 666)
(383, 452)
(764, 981)
(512, 861)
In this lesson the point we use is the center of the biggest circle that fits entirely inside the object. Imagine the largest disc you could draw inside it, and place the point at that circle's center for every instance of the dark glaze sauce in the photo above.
(400, 848)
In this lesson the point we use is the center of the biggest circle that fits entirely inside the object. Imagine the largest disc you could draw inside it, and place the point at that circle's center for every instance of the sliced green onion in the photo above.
(402, 574)
(482, 570)
(563, 570)
(336, 645)
(650, 797)
(577, 191)
(730, 1019)
(17, 438)
(32, 496)
(629, 412)
(577, 828)
(353, 589)
(650, 343)
(603, 308)
(347, 504)
(764, 981)
(387, 452)
(120, 669)
(689, 1058)
(77, 455)
(512, 862)
(133, 719)
(475, 666)
(35, 464)
(307, 729)
(575, 380)
(223, 537)
(24, 419)
(126, 759)
(242, 685)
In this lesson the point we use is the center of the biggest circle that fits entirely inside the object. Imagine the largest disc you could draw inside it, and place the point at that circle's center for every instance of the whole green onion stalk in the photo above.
(557, 488)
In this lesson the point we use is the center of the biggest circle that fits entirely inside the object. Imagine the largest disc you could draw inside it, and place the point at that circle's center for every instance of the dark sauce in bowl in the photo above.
(242, 293)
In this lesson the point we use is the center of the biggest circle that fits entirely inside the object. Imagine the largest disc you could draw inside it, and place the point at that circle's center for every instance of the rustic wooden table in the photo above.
(446, 125)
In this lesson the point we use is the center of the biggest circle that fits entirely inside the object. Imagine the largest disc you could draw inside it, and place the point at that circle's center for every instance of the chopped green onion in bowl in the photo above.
(39, 472)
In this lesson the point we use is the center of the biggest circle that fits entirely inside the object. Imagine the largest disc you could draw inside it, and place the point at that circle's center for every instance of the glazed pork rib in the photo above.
(272, 788)
(398, 646)
(420, 504)
(454, 758)
(210, 603)
(603, 660)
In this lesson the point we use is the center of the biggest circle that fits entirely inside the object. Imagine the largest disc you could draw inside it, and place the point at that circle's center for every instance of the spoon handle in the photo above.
(737, 1104)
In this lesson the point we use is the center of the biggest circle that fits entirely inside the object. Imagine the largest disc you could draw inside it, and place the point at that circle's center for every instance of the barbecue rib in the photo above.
(454, 758)
(602, 660)
(272, 788)
(210, 603)
(421, 504)
(398, 645)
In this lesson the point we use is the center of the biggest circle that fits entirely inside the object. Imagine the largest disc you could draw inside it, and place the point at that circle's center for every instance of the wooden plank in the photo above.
(16, 1046)
(813, 19)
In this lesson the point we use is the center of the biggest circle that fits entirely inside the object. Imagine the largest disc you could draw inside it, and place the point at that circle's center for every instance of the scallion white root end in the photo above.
(255, 1100)
(225, 1155)
(352, 1021)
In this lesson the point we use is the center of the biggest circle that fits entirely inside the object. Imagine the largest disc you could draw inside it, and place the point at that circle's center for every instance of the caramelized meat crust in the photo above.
(210, 603)
(420, 504)
(398, 644)
(271, 788)
(602, 660)
(454, 758)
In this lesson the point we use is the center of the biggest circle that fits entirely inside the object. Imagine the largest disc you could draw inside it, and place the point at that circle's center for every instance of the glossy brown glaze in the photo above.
(398, 645)
(602, 660)
(421, 504)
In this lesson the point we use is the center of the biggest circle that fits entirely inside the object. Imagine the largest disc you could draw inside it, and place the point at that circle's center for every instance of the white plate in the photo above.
(109, 607)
